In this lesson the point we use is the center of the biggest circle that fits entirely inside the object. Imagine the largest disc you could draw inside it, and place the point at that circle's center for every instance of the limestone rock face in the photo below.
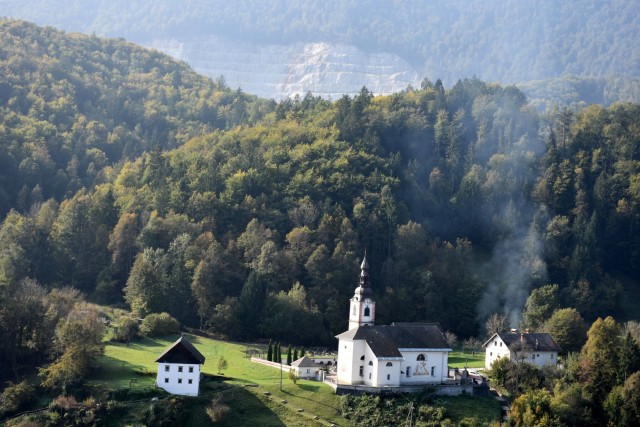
(280, 71)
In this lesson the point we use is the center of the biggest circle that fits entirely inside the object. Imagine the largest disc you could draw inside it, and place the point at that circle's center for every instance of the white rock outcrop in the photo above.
(273, 71)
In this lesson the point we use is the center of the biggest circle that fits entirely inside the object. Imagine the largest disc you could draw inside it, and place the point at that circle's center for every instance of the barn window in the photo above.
(179, 368)
(421, 357)
(190, 381)
(367, 312)
(389, 364)
(166, 380)
(166, 368)
(190, 369)
(179, 380)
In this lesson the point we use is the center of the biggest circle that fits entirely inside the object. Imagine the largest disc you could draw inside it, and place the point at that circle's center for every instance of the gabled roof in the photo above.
(386, 340)
(304, 362)
(181, 351)
(527, 342)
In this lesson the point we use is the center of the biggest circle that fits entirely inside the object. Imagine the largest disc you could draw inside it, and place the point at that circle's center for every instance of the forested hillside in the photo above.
(129, 178)
(73, 106)
(513, 42)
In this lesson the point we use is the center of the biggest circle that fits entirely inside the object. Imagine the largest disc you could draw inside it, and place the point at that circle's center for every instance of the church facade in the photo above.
(400, 354)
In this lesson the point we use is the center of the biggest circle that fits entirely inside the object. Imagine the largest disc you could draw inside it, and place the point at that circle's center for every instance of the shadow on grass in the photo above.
(247, 410)
(116, 373)
(310, 400)
(309, 387)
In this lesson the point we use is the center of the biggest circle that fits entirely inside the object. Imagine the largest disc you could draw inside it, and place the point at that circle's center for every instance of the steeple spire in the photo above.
(362, 307)
(364, 271)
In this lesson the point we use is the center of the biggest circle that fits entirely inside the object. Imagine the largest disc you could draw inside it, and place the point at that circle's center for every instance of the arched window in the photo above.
(362, 358)
(421, 357)
(371, 363)
(389, 364)
(367, 312)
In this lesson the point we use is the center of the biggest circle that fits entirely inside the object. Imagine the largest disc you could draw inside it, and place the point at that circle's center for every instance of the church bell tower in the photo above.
(362, 310)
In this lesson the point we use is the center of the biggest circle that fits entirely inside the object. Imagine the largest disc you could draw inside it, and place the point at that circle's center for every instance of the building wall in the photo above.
(386, 376)
(345, 358)
(432, 370)
(307, 373)
(496, 349)
(179, 381)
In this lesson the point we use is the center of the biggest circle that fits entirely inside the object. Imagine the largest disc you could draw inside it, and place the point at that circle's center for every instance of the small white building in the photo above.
(305, 368)
(539, 349)
(179, 368)
(400, 354)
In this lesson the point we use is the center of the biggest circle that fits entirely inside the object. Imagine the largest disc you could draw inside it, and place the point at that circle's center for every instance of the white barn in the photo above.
(400, 354)
(539, 349)
(179, 368)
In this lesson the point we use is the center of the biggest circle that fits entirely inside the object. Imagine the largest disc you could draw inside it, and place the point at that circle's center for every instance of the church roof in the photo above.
(386, 340)
(304, 362)
(181, 351)
(527, 341)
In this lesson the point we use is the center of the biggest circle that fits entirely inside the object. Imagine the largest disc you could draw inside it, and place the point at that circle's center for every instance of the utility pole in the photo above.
(280, 373)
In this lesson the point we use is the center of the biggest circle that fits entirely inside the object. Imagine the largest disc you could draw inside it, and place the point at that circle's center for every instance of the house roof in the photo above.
(386, 340)
(531, 341)
(304, 362)
(181, 351)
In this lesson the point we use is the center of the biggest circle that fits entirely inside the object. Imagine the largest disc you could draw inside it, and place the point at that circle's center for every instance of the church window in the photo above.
(361, 370)
(500, 343)
(370, 362)
(389, 364)
(388, 377)
(369, 375)
(362, 358)
(408, 371)
(495, 343)
(421, 357)
(433, 371)
(367, 312)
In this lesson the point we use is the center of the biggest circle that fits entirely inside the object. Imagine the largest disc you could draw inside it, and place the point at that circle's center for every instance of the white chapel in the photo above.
(400, 354)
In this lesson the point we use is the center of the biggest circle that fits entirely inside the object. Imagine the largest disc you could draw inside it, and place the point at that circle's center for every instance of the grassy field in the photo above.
(244, 384)
(460, 359)
(250, 389)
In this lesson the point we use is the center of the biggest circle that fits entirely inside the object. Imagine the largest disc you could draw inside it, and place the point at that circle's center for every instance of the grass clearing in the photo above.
(460, 359)
(130, 369)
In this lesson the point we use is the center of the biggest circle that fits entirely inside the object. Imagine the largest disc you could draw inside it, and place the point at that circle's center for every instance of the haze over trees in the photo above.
(249, 218)
(574, 53)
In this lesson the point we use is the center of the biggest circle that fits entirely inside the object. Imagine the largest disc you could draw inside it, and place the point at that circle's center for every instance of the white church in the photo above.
(400, 354)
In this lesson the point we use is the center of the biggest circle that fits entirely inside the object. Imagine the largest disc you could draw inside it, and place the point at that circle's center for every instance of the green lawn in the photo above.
(123, 363)
(244, 386)
(460, 359)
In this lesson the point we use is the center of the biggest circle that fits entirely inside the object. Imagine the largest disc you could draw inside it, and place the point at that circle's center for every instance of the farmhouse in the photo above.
(400, 354)
(539, 349)
(305, 368)
(179, 368)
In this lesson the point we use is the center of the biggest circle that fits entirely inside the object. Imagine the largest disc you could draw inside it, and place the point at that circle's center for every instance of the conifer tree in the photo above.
(295, 354)
(289, 355)
(270, 352)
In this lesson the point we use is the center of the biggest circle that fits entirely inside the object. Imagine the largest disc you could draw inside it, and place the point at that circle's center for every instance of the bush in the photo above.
(155, 325)
(217, 410)
(16, 396)
(127, 329)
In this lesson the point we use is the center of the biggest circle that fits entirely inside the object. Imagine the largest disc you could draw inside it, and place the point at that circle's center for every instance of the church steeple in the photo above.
(362, 308)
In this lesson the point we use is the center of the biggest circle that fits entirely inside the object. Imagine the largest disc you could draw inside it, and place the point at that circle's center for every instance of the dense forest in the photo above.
(130, 181)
